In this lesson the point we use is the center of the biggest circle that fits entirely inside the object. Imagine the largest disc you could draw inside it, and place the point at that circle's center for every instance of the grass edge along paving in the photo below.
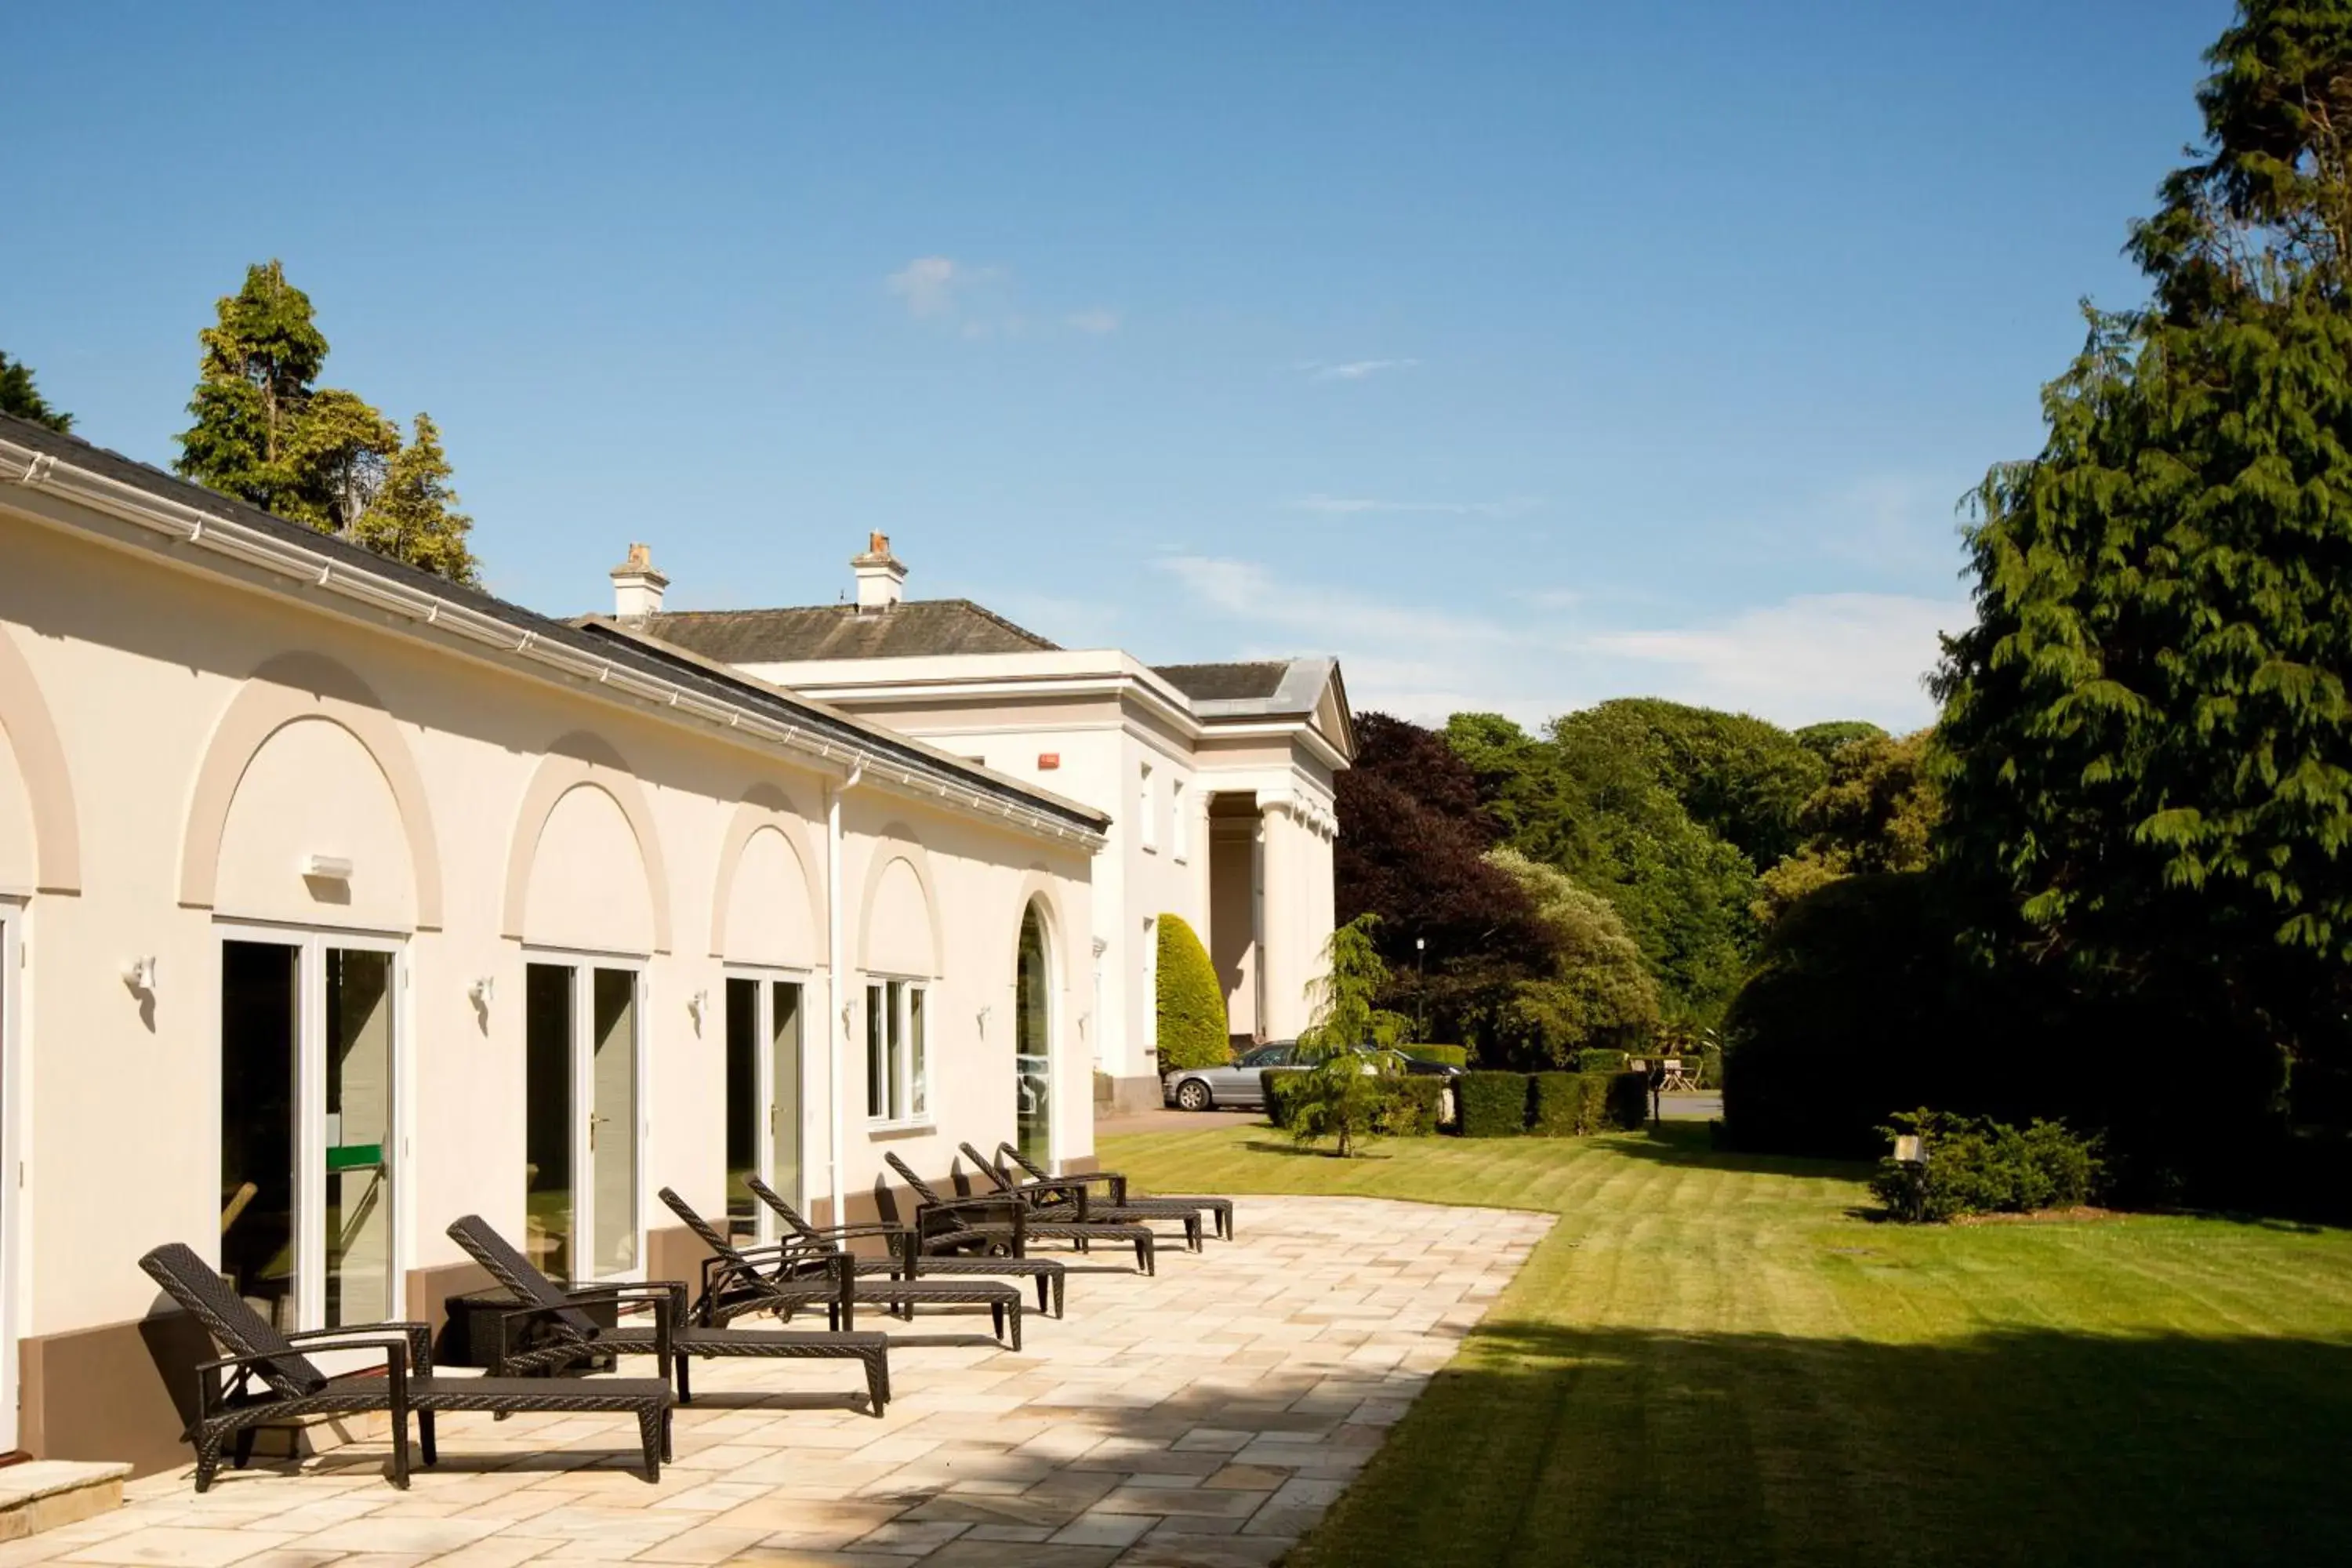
(1716, 1358)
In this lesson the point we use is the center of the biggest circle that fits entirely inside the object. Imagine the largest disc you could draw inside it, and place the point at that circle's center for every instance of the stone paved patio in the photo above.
(1207, 1417)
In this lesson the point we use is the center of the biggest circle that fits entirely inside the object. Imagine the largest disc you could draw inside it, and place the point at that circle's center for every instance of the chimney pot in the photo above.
(881, 576)
(636, 586)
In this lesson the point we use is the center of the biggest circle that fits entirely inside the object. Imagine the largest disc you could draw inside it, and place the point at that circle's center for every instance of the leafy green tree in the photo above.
(20, 397)
(1741, 778)
(265, 433)
(1349, 1096)
(1876, 813)
(2149, 726)
(1193, 1023)
(414, 516)
(1599, 991)
(1823, 740)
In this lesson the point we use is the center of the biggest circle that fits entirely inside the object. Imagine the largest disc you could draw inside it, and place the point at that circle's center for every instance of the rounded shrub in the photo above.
(1193, 1028)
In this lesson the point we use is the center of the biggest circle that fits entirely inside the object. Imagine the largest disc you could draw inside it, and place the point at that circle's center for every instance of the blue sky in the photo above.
(1521, 356)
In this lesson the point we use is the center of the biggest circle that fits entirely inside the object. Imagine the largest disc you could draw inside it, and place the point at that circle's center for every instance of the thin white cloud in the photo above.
(1094, 323)
(1354, 369)
(1353, 505)
(1801, 659)
(928, 284)
(1862, 656)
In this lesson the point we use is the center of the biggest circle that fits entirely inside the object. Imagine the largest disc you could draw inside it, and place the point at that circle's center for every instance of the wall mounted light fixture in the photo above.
(483, 992)
(329, 867)
(699, 1003)
(140, 974)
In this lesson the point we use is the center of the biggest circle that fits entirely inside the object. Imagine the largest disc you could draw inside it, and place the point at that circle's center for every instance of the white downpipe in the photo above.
(836, 960)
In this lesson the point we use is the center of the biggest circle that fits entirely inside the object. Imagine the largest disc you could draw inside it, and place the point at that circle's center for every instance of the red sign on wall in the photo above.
(1048, 760)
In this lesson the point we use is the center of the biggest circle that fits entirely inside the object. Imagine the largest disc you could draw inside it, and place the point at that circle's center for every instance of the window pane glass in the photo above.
(878, 1053)
(359, 1137)
(918, 1090)
(1032, 1066)
(784, 1113)
(742, 1105)
(547, 1118)
(612, 1121)
(260, 1029)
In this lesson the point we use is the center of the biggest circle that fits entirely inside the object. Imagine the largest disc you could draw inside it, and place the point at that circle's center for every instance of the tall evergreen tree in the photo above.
(267, 434)
(20, 397)
(2150, 725)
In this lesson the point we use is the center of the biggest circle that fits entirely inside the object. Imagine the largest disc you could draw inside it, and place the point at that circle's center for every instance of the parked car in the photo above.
(1237, 1086)
(1234, 1086)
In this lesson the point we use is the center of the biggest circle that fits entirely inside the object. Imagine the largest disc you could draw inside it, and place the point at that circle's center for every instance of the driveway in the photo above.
(1207, 1417)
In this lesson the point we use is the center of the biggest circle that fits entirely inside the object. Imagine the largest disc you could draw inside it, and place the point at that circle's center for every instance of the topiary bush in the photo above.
(1979, 1166)
(1628, 1101)
(1493, 1104)
(1193, 1024)
(1447, 1055)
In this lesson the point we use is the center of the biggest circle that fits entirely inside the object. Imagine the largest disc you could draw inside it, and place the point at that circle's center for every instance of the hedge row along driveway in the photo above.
(1713, 1360)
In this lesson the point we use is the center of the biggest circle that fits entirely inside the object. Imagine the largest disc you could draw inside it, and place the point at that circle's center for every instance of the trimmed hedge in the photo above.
(1447, 1055)
(1493, 1104)
(1419, 1106)
(1629, 1101)
(1566, 1104)
(1193, 1024)
(1600, 1062)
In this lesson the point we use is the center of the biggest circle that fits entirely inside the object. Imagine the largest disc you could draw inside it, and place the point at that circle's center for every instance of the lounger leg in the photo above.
(241, 1451)
(650, 1433)
(1146, 1256)
(400, 1448)
(1061, 1288)
(1044, 1284)
(685, 1393)
(1014, 1307)
(996, 1317)
(877, 1380)
(424, 1438)
(207, 1461)
(1191, 1232)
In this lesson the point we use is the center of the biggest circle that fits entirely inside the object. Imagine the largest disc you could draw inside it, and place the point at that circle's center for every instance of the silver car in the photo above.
(1236, 1085)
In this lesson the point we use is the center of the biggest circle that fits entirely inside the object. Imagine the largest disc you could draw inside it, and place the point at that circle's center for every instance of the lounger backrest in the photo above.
(703, 1227)
(1006, 1151)
(521, 1277)
(784, 1211)
(197, 1285)
(923, 1189)
(1002, 1183)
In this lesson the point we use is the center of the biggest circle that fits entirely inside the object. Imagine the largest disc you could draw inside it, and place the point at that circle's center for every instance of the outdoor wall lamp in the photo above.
(699, 1003)
(329, 867)
(483, 992)
(139, 975)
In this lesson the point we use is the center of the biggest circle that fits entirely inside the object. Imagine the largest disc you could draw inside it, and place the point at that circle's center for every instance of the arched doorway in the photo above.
(1033, 1059)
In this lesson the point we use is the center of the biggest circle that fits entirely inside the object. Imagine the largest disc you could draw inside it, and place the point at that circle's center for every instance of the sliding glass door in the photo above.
(581, 1119)
(309, 1057)
(763, 1098)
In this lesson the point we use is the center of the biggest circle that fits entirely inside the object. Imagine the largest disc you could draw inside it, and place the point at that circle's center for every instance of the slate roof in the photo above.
(601, 641)
(1253, 681)
(914, 628)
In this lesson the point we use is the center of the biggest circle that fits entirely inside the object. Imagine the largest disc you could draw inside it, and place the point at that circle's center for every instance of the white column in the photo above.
(1197, 844)
(1278, 971)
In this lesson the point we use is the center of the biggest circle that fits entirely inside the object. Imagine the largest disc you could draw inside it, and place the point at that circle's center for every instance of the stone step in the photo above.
(43, 1494)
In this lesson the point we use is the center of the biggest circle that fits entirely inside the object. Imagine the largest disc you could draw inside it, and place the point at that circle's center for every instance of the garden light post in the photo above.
(1420, 987)
(1911, 1154)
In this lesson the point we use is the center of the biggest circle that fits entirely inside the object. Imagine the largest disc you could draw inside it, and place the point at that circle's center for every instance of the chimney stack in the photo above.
(636, 586)
(881, 576)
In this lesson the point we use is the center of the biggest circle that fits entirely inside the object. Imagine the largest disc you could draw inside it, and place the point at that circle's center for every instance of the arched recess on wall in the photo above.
(579, 761)
(41, 765)
(765, 807)
(896, 847)
(284, 689)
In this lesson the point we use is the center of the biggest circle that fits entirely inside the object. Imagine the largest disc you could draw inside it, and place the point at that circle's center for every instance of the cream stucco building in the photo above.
(337, 902)
(1218, 779)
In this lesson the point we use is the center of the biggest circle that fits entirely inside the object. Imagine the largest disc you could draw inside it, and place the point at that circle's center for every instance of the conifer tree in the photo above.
(20, 397)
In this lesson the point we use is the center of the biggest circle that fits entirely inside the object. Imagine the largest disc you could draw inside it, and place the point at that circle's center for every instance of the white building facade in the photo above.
(1218, 780)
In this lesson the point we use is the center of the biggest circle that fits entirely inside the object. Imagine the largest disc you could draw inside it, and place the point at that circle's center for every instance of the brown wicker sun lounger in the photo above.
(929, 1261)
(1072, 1198)
(293, 1386)
(1008, 1220)
(785, 1275)
(1165, 1205)
(547, 1332)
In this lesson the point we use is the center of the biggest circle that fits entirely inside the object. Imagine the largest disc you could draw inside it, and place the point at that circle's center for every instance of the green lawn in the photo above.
(1713, 1359)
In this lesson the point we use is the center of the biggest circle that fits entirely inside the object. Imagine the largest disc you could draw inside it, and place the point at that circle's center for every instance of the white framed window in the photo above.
(897, 1080)
(1179, 839)
(1147, 815)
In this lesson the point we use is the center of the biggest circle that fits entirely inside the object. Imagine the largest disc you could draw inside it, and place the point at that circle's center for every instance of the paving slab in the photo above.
(1206, 1419)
